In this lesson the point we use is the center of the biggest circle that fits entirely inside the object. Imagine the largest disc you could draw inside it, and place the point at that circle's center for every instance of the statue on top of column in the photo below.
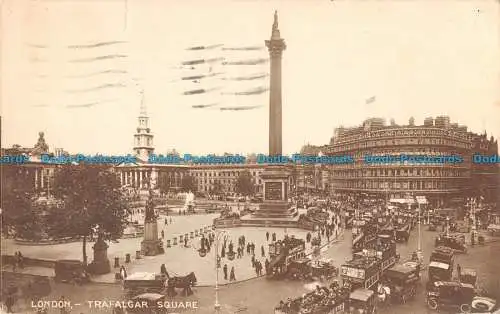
(149, 212)
(275, 23)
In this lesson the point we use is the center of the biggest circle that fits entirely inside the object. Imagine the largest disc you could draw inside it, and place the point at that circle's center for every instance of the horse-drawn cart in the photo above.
(139, 283)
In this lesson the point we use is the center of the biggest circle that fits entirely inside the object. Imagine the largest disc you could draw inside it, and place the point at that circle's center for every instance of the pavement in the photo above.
(179, 260)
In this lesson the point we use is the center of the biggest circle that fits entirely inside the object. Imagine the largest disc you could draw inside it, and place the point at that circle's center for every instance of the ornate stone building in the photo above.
(32, 170)
(441, 183)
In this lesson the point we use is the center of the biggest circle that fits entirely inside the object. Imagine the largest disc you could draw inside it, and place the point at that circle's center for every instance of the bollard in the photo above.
(117, 262)
(191, 234)
(181, 238)
(175, 241)
(168, 243)
(127, 258)
(196, 233)
(186, 236)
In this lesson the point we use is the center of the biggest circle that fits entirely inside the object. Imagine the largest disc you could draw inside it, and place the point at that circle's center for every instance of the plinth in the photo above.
(151, 245)
(100, 265)
(275, 211)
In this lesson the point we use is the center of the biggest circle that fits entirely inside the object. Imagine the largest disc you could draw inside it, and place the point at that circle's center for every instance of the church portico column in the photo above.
(135, 179)
(36, 179)
(140, 179)
(42, 177)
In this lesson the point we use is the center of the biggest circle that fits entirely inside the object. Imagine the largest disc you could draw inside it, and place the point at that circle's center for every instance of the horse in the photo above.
(184, 283)
(383, 294)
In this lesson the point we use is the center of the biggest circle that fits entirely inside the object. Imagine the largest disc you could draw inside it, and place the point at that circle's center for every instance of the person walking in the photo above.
(253, 260)
(123, 272)
(163, 271)
(163, 234)
(267, 235)
(224, 269)
(232, 277)
(263, 253)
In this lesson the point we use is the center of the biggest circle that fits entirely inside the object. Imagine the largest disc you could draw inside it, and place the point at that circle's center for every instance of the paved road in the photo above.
(260, 295)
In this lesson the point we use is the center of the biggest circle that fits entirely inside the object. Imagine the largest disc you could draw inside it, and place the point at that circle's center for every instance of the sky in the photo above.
(418, 58)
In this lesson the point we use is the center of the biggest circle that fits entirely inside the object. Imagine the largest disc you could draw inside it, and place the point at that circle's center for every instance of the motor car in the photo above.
(451, 294)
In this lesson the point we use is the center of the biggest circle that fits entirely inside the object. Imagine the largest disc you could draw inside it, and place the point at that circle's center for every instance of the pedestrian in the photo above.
(123, 273)
(20, 259)
(232, 277)
(267, 235)
(257, 269)
(253, 260)
(163, 234)
(274, 237)
(185, 241)
(166, 222)
(266, 264)
(163, 271)
(224, 269)
(262, 251)
(459, 271)
(248, 248)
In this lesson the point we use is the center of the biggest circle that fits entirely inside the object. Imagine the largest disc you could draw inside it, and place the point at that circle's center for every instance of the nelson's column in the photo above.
(275, 209)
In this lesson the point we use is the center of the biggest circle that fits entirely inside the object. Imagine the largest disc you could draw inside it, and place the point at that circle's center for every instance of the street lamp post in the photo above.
(217, 263)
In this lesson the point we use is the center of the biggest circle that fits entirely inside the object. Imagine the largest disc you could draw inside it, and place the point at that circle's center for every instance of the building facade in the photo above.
(440, 183)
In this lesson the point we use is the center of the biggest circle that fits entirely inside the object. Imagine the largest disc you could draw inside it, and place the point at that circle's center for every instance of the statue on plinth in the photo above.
(100, 265)
(151, 245)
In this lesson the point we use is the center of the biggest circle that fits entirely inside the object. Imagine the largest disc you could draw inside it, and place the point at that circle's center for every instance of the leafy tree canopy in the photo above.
(244, 184)
(188, 184)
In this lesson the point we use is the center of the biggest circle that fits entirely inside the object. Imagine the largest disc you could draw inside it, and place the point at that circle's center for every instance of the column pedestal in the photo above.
(100, 265)
(151, 245)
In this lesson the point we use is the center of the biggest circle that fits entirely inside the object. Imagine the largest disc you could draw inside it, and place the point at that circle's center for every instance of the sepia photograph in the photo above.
(250, 156)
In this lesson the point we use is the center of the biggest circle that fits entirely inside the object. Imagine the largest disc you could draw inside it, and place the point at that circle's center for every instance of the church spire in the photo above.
(143, 109)
(143, 138)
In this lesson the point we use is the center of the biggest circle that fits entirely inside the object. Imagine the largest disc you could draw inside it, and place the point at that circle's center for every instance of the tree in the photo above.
(163, 183)
(92, 202)
(188, 184)
(244, 184)
(18, 211)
